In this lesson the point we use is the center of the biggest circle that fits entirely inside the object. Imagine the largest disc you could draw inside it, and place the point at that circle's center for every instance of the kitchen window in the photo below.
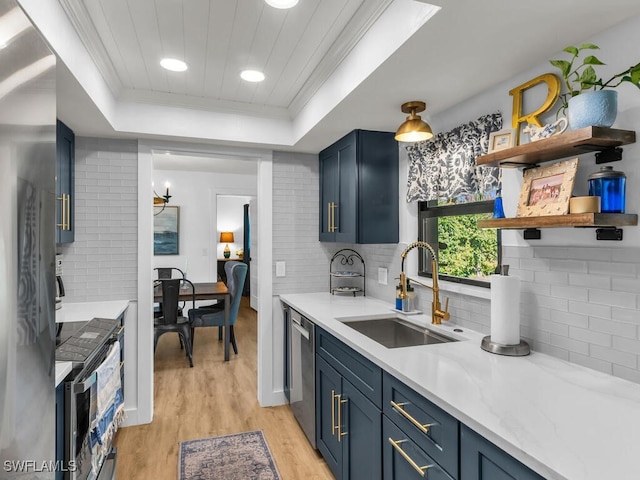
(466, 254)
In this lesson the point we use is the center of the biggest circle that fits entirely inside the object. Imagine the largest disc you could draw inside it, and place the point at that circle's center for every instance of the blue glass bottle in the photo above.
(498, 211)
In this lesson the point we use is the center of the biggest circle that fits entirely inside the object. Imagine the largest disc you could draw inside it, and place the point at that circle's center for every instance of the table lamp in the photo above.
(226, 237)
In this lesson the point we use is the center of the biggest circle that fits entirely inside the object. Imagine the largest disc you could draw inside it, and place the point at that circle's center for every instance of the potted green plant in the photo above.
(589, 100)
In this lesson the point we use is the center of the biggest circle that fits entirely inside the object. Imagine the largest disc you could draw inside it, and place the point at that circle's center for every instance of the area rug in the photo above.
(241, 456)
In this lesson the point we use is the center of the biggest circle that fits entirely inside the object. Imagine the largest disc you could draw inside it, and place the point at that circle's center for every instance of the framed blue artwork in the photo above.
(166, 234)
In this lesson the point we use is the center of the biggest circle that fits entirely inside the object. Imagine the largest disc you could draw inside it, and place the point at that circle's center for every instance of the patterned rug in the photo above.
(242, 456)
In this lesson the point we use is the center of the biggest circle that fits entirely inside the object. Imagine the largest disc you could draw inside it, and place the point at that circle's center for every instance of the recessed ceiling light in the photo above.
(282, 3)
(173, 64)
(252, 75)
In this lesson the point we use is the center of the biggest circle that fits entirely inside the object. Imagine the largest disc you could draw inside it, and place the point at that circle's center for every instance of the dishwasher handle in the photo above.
(304, 332)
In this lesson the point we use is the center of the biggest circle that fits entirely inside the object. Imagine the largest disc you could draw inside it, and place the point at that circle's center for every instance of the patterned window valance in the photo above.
(444, 168)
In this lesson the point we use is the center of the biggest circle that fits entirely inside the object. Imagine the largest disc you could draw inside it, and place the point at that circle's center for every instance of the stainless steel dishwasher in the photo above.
(302, 368)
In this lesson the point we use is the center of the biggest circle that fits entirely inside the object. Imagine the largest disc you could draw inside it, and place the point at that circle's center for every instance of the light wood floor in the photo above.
(212, 398)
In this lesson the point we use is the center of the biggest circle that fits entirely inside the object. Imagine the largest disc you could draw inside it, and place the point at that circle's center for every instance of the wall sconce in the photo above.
(226, 237)
(161, 200)
(414, 129)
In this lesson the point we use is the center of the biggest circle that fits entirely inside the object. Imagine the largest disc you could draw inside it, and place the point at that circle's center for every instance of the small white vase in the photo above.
(593, 109)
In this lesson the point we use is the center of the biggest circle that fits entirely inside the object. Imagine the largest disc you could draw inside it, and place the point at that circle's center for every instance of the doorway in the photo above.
(262, 161)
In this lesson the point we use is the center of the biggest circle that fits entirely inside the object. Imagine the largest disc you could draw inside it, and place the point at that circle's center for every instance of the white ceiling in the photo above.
(331, 65)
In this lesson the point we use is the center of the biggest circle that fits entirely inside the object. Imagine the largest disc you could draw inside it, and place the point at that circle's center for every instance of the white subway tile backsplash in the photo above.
(626, 345)
(571, 293)
(101, 264)
(570, 344)
(585, 308)
(586, 280)
(591, 362)
(613, 327)
(631, 285)
(615, 299)
(589, 336)
(612, 269)
(612, 355)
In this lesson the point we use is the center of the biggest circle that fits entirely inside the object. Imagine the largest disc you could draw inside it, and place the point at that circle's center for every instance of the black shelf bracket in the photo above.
(609, 233)
(612, 154)
(532, 234)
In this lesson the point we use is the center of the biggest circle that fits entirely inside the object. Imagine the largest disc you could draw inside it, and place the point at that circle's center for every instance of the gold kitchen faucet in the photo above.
(437, 314)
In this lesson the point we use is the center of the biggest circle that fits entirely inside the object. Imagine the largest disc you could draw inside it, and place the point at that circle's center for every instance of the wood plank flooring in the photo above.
(212, 398)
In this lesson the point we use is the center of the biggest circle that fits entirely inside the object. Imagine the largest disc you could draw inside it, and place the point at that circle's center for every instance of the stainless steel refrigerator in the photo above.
(27, 248)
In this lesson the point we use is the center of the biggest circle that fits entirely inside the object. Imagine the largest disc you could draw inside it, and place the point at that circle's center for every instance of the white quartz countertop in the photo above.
(85, 311)
(562, 420)
(62, 370)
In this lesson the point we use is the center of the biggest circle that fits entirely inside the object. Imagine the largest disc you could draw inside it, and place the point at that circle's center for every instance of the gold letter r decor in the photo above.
(553, 92)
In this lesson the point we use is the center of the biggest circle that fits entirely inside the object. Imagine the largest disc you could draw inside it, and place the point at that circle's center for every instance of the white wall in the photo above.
(197, 194)
(230, 218)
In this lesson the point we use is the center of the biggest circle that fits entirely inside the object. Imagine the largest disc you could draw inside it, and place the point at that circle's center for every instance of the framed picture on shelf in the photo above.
(166, 234)
(502, 140)
(547, 190)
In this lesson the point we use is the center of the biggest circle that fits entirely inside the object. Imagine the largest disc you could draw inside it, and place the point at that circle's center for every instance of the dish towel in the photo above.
(109, 406)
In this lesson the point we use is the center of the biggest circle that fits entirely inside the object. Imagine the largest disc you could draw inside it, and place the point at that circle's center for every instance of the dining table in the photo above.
(207, 291)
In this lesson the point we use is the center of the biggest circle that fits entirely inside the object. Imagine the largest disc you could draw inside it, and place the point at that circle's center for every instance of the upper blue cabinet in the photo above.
(359, 189)
(65, 181)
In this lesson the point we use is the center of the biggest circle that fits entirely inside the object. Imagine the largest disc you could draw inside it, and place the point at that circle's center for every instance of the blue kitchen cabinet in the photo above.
(65, 183)
(482, 460)
(359, 189)
(348, 410)
(348, 426)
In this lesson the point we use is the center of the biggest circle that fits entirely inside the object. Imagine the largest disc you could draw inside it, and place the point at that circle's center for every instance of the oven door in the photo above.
(80, 409)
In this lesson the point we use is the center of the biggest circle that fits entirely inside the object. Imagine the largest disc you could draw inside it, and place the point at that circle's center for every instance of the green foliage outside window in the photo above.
(470, 252)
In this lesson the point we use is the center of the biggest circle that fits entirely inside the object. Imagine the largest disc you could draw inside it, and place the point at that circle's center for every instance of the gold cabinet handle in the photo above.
(339, 426)
(329, 220)
(333, 412)
(396, 444)
(68, 212)
(424, 428)
(335, 229)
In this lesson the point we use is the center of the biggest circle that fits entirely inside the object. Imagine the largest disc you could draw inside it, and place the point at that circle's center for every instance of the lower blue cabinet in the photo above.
(482, 460)
(348, 426)
(403, 459)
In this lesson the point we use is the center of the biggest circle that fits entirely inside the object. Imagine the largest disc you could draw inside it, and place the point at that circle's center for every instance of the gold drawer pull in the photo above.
(410, 461)
(424, 428)
(339, 427)
(117, 334)
(333, 412)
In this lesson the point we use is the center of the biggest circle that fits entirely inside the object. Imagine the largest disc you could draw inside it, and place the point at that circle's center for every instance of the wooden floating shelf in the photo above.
(568, 144)
(558, 221)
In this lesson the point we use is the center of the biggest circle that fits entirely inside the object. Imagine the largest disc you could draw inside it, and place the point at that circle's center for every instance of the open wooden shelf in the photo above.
(568, 144)
(569, 220)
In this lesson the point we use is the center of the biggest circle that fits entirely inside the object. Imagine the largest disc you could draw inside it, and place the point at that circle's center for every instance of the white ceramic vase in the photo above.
(593, 109)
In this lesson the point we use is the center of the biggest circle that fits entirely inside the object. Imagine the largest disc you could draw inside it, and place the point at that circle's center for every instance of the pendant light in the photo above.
(414, 129)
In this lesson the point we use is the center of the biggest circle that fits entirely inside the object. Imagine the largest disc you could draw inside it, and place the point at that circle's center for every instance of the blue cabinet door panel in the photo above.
(328, 384)
(397, 466)
(329, 182)
(362, 425)
(482, 460)
(65, 183)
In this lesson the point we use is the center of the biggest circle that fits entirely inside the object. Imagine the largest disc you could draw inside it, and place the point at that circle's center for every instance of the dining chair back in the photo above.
(168, 272)
(171, 319)
(164, 273)
(204, 317)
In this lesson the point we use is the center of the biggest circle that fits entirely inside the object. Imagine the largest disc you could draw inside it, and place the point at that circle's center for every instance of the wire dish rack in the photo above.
(347, 273)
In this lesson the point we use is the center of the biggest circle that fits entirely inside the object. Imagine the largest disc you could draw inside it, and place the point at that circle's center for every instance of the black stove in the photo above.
(81, 341)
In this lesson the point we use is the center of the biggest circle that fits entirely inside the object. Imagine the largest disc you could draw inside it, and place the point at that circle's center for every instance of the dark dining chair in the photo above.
(171, 320)
(205, 317)
(163, 273)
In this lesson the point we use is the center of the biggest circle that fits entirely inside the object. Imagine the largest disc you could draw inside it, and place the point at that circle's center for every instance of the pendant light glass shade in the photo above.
(414, 129)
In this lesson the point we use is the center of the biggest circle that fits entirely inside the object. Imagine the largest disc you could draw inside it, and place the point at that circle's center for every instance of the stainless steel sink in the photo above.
(394, 332)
